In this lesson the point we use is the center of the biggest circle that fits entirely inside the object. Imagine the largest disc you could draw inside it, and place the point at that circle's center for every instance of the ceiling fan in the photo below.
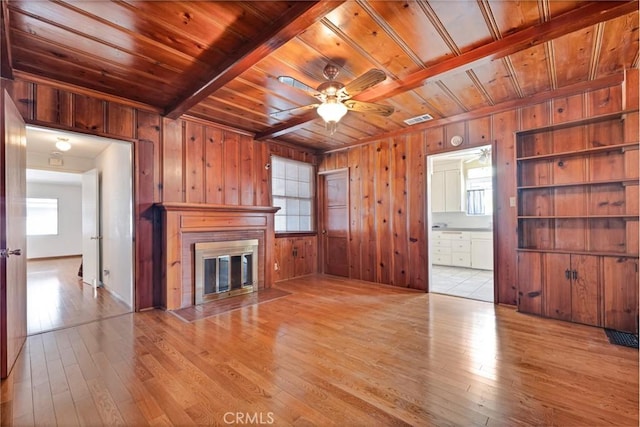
(483, 157)
(335, 97)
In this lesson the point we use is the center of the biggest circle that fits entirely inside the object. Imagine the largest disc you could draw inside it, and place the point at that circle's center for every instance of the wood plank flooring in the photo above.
(334, 352)
(57, 297)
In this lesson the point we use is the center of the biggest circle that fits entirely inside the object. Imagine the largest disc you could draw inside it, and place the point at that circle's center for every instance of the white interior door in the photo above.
(90, 228)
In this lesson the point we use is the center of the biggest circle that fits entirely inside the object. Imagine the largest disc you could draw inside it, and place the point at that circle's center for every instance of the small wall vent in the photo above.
(418, 119)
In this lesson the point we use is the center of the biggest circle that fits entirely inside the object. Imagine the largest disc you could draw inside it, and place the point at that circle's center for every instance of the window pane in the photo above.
(305, 207)
(280, 223)
(278, 187)
(292, 190)
(42, 217)
(305, 223)
(277, 168)
(293, 223)
(293, 207)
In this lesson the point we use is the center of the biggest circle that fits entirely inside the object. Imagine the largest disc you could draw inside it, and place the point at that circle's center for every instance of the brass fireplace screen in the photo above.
(224, 269)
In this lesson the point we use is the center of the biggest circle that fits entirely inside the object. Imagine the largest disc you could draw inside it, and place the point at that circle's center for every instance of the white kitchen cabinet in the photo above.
(482, 250)
(446, 187)
(451, 248)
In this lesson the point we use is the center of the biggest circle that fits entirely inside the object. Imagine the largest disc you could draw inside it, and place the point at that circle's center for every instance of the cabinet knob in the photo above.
(575, 274)
(567, 274)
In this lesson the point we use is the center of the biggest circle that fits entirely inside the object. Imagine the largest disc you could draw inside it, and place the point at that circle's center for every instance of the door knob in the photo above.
(6, 253)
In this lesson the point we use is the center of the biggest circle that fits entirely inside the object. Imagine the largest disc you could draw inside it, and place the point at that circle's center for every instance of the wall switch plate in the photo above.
(512, 202)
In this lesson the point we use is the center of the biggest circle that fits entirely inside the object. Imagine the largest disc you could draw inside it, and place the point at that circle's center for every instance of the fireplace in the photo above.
(186, 225)
(224, 269)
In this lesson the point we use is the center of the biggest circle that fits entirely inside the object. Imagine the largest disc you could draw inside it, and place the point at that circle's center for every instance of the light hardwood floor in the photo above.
(334, 352)
(57, 297)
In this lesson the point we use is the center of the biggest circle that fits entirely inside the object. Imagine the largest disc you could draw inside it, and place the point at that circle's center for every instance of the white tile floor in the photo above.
(462, 282)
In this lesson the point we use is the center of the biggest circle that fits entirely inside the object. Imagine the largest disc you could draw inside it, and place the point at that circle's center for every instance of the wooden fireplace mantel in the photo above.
(185, 223)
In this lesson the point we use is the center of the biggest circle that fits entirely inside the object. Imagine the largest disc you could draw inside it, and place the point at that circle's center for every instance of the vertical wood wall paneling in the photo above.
(120, 120)
(89, 114)
(631, 94)
(417, 218)
(369, 234)
(434, 138)
(400, 265)
(146, 193)
(504, 125)
(148, 129)
(247, 166)
(23, 95)
(479, 131)
(231, 168)
(262, 174)
(172, 161)
(604, 101)
(383, 218)
(567, 109)
(194, 160)
(214, 173)
(355, 213)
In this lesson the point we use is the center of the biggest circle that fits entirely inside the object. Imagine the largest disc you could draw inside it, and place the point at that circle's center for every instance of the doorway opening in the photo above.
(67, 283)
(460, 224)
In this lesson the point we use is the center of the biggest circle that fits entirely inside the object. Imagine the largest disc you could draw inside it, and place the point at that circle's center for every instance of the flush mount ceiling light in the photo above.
(63, 144)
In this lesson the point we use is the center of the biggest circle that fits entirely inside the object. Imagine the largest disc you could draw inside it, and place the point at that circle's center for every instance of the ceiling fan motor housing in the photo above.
(330, 71)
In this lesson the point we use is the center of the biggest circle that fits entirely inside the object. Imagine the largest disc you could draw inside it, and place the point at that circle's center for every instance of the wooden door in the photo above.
(585, 301)
(530, 282)
(620, 288)
(335, 223)
(13, 273)
(557, 286)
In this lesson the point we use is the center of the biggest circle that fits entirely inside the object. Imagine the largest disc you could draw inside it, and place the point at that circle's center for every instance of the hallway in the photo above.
(57, 298)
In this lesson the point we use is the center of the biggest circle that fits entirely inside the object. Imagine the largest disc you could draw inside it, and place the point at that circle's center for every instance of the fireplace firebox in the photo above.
(224, 269)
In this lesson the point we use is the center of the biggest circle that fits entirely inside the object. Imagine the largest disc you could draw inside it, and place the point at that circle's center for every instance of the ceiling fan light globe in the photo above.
(332, 111)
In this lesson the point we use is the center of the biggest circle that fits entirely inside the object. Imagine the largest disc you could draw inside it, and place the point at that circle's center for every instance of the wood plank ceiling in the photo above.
(220, 60)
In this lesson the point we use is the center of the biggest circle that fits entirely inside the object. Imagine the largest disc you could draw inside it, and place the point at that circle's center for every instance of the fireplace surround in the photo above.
(184, 225)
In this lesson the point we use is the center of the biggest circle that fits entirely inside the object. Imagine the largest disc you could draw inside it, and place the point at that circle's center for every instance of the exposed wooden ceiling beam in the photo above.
(6, 68)
(590, 14)
(289, 126)
(301, 15)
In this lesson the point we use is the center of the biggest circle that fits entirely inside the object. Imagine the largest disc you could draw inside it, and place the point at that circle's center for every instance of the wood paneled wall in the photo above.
(185, 160)
(388, 185)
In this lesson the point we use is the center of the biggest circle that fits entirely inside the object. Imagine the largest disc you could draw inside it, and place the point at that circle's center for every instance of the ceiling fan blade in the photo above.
(369, 107)
(365, 81)
(294, 110)
(290, 81)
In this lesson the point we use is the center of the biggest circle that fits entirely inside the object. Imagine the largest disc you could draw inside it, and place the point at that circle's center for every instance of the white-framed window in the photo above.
(292, 190)
(42, 217)
(479, 191)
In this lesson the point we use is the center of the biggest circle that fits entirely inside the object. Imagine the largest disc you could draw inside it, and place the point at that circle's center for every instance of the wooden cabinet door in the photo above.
(530, 282)
(453, 190)
(585, 301)
(438, 192)
(557, 286)
(620, 289)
